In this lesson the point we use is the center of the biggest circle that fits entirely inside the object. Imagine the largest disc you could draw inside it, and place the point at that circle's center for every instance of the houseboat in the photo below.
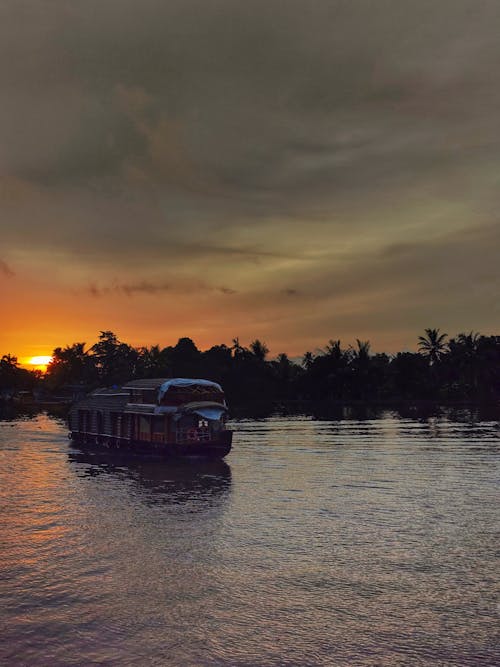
(159, 417)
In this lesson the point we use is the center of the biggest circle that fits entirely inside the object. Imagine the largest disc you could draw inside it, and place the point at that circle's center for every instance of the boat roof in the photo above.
(189, 382)
(164, 384)
(186, 382)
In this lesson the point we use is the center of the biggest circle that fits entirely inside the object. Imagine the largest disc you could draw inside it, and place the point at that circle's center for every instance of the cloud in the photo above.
(153, 289)
(5, 269)
(254, 146)
(455, 265)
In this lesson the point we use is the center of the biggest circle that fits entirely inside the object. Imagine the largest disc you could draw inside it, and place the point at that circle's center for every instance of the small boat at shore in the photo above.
(156, 417)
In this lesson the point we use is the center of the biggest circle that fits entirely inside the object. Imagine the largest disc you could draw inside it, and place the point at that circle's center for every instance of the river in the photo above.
(336, 542)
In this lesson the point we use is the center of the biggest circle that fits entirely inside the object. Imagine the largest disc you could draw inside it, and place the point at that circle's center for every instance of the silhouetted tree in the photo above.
(359, 365)
(467, 368)
(115, 361)
(259, 349)
(409, 376)
(362, 350)
(333, 349)
(154, 361)
(236, 347)
(13, 378)
(216, 363)
(432, 345)
(307, 360)
(9, 368)
(186, 358)
(71, 365)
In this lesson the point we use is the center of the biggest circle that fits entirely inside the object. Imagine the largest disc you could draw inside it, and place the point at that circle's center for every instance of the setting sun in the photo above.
(40, 361)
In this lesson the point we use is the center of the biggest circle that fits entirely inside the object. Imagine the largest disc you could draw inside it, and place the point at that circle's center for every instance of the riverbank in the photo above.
(455, 410)
(333, 409)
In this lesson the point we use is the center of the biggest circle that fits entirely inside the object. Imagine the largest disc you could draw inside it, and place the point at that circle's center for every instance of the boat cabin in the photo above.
(153, 412)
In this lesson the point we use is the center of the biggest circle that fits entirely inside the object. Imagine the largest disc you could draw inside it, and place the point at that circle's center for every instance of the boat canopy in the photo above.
(185, 382)
(210, 413)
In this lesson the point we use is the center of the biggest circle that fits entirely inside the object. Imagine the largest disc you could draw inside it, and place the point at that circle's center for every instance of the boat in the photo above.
(160, 417)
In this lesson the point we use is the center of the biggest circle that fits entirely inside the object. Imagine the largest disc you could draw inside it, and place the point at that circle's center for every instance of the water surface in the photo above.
(346, 542)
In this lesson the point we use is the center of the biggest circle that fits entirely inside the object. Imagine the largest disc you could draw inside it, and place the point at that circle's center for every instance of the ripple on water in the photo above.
(349, 542)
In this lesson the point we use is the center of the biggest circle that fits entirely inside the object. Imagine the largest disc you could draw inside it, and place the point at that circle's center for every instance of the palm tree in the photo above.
(149, 360)
(71, 364)
(236, 348)
(464, 363)
(432, 345)
(362, 353)
(8, 362)
(333, 349)
(283, 366)
(469, 342)
(9, 370)
(307, 360)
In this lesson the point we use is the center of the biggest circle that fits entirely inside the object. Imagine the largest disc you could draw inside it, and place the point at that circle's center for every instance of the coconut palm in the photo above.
(463, 364)
(333, 349)
(8, 362)
(363, 350)
(469, 342)
(154, 361)
(9, 370)
(71, 364)
(236, 348)
(307, 360)
(432, 345)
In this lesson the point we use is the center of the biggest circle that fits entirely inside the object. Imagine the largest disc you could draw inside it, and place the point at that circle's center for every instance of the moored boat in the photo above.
(156, 417)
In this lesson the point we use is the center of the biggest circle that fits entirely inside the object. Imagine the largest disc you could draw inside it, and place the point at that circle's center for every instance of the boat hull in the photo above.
(210, 449)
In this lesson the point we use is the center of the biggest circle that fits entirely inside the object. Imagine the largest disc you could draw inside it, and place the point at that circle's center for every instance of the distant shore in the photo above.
(328, 409)
(348, 408)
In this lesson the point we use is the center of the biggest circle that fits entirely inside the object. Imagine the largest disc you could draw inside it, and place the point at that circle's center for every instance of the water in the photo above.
(349, 542)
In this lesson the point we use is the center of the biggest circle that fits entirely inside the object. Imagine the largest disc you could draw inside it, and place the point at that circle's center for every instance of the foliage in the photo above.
(432, 345)
(464, 368)
(13, 378)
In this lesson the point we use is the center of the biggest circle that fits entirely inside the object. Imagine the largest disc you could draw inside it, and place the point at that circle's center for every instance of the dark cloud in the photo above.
(226, 97)
(452, 280)
(327, 144)
(150, 288)
(456, 263)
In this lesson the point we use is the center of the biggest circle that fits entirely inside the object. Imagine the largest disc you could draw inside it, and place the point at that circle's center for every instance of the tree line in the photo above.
(463, 368)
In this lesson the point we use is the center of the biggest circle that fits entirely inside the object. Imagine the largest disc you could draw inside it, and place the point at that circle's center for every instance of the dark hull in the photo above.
(211, 449)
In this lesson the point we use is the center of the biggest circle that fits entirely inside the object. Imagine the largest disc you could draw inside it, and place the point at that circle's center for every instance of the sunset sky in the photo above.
(294, 171)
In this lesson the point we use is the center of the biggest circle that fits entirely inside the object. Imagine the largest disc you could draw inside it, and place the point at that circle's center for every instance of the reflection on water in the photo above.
(351, 541)
(169, 482)
(333, 411)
